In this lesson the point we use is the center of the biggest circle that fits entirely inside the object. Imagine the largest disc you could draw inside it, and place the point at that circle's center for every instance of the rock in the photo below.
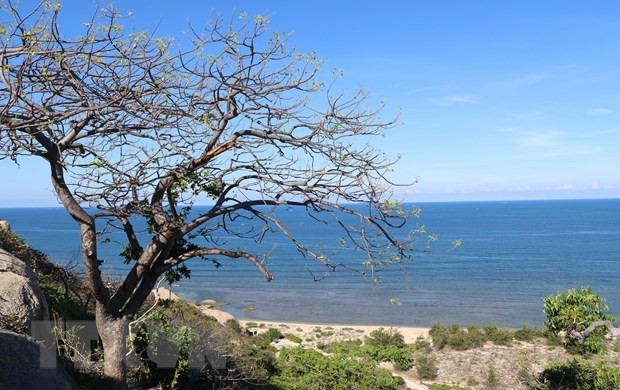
(25, 365)
(164, 293)
(221, 316)
(4, 225)
(211, 303)
(21, 300)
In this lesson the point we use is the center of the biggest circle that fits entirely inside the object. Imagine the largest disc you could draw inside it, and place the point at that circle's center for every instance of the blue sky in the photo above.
(499, 99)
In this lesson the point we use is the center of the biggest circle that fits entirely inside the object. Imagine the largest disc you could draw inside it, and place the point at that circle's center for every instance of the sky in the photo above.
(498, 100)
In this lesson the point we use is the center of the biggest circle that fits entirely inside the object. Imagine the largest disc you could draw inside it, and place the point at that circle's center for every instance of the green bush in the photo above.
(293, 338)
(343, 347)
(300, 368)
(385, 338)
(498, 336)
(569, 375)
(401, 356)
(579, 374)
(422, 344)
(456, 337)
(527, 333)
(426, 366)
(576, 310)
(270, 336)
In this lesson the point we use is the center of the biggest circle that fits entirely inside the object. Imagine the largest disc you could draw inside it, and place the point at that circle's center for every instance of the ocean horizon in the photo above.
(513, 254)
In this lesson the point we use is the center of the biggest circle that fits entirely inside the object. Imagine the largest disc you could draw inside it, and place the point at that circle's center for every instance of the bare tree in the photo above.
(135, 126)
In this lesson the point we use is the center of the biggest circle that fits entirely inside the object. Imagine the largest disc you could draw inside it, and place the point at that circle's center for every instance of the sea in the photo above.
(513, 254)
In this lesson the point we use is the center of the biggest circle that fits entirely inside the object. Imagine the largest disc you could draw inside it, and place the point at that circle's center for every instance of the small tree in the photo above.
(580, 314)
(133, 128)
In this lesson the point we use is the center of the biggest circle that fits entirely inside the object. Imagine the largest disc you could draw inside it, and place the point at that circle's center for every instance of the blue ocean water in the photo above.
(513, 254)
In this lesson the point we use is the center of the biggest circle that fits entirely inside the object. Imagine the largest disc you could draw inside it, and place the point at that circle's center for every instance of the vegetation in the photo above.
(235, 115)
(579, 374)
(426, 366)
(171, 336)
(380, 346)
(300, 368)
(573, 312)
(461, 339)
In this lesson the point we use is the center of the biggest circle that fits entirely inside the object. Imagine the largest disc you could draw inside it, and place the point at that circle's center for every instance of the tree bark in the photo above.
(581, 336)
(113, 333)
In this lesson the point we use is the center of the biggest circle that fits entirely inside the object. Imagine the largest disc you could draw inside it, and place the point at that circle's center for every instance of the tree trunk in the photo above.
(113, 333)
(582, 336)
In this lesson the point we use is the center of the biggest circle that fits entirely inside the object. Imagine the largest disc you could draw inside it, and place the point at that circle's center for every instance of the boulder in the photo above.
(4, 225)
(21, 300)
(26, 365)
(221, 316)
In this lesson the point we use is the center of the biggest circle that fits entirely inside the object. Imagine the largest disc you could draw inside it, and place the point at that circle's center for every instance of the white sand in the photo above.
(340, 332)
(317, 332)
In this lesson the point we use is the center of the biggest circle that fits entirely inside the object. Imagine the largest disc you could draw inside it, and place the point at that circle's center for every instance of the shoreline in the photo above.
(311, 334)
(306, 330)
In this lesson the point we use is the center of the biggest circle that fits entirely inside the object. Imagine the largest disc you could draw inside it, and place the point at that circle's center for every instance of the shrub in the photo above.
(456, 337)
(343, 347)
(422, 344)
(233, 325)
(439, 335)
(492, 381)
(527, 333)
(579, 374)
(300, 368)
(498, 336)
(569, 375)
(293, 338)
(384, 338)
(426, 366)
(576, 310)
(270, 336)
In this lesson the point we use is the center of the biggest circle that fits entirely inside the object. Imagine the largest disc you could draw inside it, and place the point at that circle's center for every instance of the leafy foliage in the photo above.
(379, 346)
(576, 310)
(132, 128)
(385, 338)
(579, 374)
(300, 368)
(527, 333)
(462, 339)
(426, 366)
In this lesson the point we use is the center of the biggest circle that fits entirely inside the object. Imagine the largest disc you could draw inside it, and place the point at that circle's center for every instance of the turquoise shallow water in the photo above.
(513, 254)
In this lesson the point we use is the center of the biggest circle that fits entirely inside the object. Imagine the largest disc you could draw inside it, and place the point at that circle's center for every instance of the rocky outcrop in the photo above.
(21, 300)
(221, 316)
(25, 365)
(4, 225)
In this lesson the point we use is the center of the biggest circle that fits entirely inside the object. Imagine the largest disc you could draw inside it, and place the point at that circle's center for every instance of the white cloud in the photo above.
(565, 187)
(541, 140)
(453, 99)
(424, 89)
(520, 82)
(600, 111)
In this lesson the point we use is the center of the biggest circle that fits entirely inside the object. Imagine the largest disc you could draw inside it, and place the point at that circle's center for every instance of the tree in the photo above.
(133, 127)
(579, 314)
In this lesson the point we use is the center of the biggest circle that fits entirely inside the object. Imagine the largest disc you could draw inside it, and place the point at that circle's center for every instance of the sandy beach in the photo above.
(329, 332)
(310, 333)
